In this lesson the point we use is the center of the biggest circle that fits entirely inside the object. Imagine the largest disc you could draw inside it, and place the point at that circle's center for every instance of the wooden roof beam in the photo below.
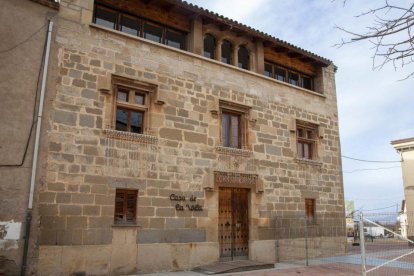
(207, 21)
(294, 55)
(240, 33)
(225, 27)
(147, 2)
(318, 64)
(169, 7)
(307, 59)
(280, 49)
(267, 43)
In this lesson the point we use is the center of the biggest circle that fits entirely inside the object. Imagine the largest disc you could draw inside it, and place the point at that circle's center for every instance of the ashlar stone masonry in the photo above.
(181, 155)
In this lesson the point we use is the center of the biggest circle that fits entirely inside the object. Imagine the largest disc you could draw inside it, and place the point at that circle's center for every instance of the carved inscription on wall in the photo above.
(183, 205)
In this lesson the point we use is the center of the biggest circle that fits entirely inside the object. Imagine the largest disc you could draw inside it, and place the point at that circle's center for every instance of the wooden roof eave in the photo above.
(196, 11)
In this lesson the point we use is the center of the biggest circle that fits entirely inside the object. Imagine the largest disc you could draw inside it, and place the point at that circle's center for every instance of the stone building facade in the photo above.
(175, 137)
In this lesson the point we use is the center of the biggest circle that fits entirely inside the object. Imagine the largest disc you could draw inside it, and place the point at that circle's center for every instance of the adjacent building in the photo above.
(24, 30)
(402, 219)
(405, 147)
(172, 137)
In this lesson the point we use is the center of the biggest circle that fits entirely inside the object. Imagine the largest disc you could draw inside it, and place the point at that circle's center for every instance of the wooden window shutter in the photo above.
(119, 206)
(125, 206)
(131, 206)
(310, 208)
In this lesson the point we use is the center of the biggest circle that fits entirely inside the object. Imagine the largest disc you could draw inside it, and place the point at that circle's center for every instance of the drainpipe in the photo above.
(36, 150)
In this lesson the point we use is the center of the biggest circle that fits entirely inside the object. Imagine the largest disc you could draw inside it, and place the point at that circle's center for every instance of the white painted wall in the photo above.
(374, 231)
(9, 234)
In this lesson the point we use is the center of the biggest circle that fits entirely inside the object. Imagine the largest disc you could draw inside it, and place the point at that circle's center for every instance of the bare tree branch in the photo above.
(391, 34)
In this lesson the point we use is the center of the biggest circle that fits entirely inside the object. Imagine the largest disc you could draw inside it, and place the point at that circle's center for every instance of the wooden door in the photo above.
(233, 223)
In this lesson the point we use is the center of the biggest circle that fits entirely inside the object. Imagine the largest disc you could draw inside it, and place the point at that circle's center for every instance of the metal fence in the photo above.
(360, 244)
(388, 248)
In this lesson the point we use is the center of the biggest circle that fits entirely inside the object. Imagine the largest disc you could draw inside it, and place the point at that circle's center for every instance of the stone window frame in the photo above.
(134, 86)
(243, 112)
(124, 214)
(312, 141)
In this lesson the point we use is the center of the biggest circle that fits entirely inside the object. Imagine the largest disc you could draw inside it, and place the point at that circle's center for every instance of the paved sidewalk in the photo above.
(283, 269)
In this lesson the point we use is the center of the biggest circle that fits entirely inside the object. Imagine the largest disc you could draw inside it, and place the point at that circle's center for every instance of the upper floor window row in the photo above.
(136, 26)
(226, 52)
(286, 75)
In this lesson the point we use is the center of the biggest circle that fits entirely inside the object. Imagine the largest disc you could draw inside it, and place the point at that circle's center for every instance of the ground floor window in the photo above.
(310, 209)
(125, 206)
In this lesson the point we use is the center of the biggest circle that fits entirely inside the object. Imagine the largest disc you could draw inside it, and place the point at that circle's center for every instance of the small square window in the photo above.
(306, 140)
(153, 32)
(129, 25)
(105, 17)
(175, 39)
(125, 206)
(280, 74)
(268, 70)
(131, 106)
(139, 98)
(127, 118)
(307, 82)
(122, 95)
(293, 78)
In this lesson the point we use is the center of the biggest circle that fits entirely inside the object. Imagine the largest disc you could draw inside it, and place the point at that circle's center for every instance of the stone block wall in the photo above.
(76, 202)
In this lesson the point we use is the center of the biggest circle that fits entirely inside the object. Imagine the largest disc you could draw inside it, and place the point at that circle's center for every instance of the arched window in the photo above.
(243, 57)
(226, 49)
(209, 46)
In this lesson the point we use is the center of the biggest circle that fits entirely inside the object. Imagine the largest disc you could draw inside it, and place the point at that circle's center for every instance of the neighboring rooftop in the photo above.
(407, 143)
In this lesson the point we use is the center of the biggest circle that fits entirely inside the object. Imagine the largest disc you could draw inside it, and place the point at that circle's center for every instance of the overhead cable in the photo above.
(370, 161)
(371, 169)
(392, 206)
(27, 38)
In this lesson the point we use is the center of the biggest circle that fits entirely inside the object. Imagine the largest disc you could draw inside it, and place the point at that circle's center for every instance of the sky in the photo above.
(375, 106)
